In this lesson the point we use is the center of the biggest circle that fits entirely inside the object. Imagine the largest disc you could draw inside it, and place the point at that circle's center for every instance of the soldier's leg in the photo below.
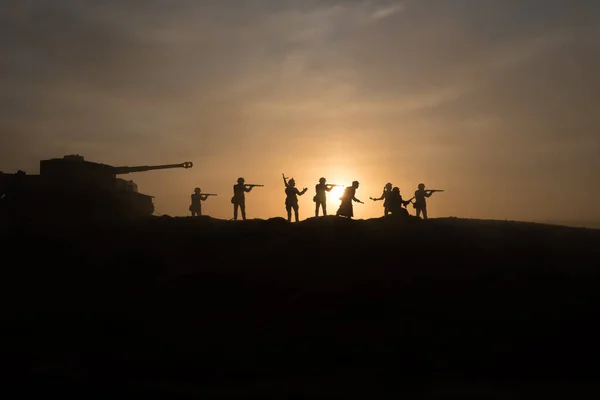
(235, 211)
(324, 205)
(317, 205)
(424, 212)
(288, 209)
(243, 208)
(296, 212)
(418, 211)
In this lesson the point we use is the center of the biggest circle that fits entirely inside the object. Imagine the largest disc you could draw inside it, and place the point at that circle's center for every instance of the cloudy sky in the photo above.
(495, 101)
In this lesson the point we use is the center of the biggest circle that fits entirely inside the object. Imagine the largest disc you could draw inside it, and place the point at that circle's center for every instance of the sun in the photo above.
(336, 193)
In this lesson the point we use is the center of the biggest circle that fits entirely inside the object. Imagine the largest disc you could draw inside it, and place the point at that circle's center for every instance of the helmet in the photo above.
(355, 183)
(197, 190)
(396, 189)
(388, 185)
(292, 182)
(322, 180)
(241, 180)
(421, 186)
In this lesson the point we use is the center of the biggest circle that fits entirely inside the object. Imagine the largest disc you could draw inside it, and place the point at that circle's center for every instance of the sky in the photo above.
(496, 102)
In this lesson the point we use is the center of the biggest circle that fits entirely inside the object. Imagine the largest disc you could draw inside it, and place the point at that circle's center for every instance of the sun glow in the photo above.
(336, 193)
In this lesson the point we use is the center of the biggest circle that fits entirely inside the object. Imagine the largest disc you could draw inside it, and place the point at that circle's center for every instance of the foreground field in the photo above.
(185, 306)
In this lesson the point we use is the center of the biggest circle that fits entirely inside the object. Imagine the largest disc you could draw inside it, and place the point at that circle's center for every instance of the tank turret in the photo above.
(74, 168)
(73, 186)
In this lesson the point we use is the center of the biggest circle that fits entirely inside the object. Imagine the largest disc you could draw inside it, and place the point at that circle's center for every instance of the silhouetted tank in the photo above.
(72, 186)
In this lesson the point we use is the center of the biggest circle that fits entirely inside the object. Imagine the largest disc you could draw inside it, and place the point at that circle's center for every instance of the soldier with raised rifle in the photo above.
(291, 200)
(387, 190)
(420, 204)
(197, 198)
(346, 208)
(320, 197)
(239, 197)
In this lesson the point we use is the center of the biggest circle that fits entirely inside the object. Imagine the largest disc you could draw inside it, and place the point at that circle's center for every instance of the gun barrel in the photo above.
(144, 168)
(434, 190)
(208, 194)
(253, 185)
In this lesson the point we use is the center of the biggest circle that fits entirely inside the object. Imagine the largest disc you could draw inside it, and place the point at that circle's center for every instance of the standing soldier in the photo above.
(239, 198)
(197, 199)
(291, 200)
(420, 203)
(346, 209)
(320, 198)
(387, 190)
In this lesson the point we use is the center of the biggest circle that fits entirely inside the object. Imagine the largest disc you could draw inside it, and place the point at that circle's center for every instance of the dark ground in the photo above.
(182, 307)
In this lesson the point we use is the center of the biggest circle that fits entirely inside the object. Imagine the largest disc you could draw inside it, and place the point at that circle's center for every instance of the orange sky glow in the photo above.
(494, 102)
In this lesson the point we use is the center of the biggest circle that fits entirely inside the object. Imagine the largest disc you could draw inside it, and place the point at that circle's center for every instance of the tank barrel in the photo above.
(143, 168)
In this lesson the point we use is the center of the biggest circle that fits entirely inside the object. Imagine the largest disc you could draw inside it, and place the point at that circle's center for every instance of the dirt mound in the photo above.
(328, 305)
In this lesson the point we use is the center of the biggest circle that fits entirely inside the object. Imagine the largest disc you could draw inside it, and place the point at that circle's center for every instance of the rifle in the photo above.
(433, 190)
(252, 185)
(207, 194)
(409, 201)
(332, 185)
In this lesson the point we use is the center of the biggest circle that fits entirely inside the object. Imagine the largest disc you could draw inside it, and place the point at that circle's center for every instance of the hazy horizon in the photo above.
(494, 102)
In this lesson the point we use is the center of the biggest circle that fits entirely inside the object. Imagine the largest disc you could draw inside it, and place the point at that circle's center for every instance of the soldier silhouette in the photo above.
(320, 198)
(395, 203)
(239, 198)
(197, 199)
(291, 200)
(346, 209)
(387, 190)
(420, 203)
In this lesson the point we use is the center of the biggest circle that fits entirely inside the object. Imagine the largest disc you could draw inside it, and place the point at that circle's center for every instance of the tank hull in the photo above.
(36, 198)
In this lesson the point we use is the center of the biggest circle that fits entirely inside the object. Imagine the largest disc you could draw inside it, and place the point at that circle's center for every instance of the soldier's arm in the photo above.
(284, 180)
(247, 189)
(302, 192)
(329, 188)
